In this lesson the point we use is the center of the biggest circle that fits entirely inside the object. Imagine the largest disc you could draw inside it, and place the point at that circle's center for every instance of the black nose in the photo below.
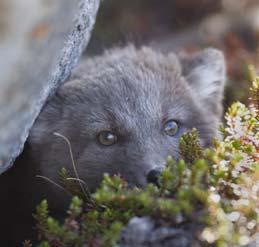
(153, 176)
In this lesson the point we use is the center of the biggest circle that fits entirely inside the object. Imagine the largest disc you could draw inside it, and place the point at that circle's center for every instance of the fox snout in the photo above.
(153, 176)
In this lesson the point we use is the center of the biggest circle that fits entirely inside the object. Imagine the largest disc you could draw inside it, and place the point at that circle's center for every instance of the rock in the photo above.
(144, 232)
(137, 232)
(40, 42)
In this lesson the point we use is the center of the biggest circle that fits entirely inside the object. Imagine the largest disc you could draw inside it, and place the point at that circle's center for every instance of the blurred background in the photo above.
(184, 25)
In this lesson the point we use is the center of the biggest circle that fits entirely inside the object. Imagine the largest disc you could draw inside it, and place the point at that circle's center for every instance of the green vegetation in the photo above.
(218, 188)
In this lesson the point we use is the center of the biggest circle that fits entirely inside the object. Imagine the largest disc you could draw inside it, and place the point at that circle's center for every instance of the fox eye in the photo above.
(171, 127)
(107, 138)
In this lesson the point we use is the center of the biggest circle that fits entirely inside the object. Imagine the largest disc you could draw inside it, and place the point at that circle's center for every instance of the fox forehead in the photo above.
(129, 103)
(138, 85)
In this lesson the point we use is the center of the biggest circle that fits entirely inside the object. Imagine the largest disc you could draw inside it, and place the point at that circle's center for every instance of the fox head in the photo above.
(125, 111)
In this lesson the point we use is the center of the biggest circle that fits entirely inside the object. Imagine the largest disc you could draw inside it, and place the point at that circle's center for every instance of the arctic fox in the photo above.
(123, 112)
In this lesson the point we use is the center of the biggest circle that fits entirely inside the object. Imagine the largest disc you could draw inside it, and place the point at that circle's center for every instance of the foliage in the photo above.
(218, 188)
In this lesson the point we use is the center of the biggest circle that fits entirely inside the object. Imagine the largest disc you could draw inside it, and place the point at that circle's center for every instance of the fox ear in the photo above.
(205, 72)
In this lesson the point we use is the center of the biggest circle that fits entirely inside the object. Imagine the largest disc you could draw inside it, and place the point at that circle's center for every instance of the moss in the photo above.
(223, 181)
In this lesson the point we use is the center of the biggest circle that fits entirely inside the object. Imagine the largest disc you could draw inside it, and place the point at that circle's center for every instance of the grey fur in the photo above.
(132, 92)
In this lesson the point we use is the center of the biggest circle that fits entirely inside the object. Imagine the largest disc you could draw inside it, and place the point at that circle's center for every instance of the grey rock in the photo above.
(143, 232)
(137, 231)
(40, 43)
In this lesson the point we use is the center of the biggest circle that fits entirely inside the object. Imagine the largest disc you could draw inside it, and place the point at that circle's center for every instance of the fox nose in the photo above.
(153, 176)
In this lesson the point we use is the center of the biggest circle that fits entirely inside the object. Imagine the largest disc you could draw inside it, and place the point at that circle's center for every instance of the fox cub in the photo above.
(123, 113)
